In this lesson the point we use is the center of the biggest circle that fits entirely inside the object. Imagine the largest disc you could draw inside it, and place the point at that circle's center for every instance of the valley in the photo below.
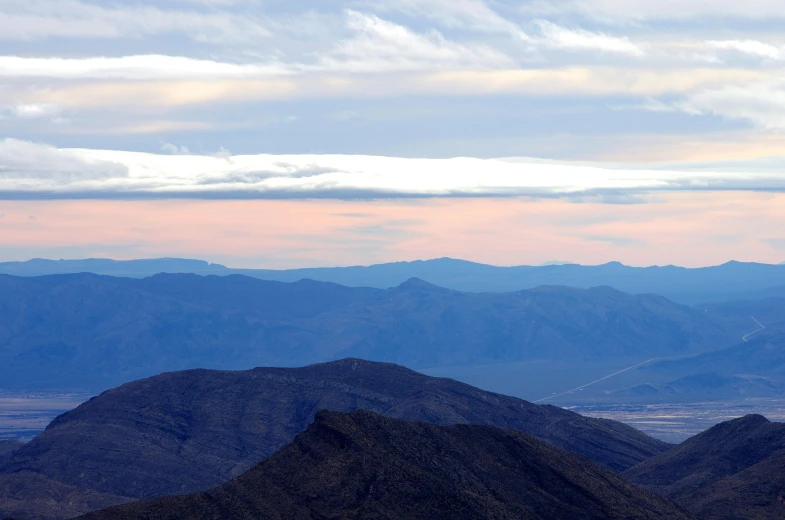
(676, 422)
(23, 415)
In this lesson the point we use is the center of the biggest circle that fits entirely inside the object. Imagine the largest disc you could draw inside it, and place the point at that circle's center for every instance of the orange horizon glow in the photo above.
(689, 229)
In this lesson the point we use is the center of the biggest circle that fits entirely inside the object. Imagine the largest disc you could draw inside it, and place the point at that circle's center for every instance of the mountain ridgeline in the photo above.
(188, 431)
(364, 465)
(90, 331)
(730, 281)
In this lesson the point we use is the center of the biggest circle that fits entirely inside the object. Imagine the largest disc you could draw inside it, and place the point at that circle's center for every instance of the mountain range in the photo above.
(732, 471)
(94, 332)
(730, 281)
(188, 431)
(364, 465)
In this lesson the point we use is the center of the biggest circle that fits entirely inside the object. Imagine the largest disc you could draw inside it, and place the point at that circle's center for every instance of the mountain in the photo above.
(83, 331)
(755, 368)
(756, 493)
(126, 268)
(363, 465)
(7, 448)
(722, 471)
(187, 431)
(748, 313)
(730, 281)
(28, 496)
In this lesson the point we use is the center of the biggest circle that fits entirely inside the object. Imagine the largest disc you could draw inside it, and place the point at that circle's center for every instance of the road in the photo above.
(597, 381)
(744, 338)
(762, 326)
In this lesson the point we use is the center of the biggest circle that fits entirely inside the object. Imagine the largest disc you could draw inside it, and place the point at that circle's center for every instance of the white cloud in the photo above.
(132, 67)
(464, 14)
(32, 166)
(376, 46)
(560, 37)
(649, 105)
(31, 111)
(40, 19)
(641, 10)
(173, 149)
(383, 46)
(37, 171)
(750, 47)
(762, 104)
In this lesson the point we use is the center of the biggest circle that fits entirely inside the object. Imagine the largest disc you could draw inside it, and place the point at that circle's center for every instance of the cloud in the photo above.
(642, 10)
(32, 166)
(562, 81)
(762, 104)
(140, 67)
(383, 46)
(28, 20)
(650, 105)
(173, 149)
(37, 171)
(559, 37)
(376, 45)
(464, 14)
(31, 111)
(749, 47)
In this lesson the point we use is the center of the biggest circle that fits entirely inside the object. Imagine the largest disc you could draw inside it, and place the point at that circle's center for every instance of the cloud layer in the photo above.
(35, 171)
(570, 79)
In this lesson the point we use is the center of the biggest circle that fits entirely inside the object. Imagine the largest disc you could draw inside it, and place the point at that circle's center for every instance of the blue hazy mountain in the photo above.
(730, 281)
(127, 268)
(91, 331)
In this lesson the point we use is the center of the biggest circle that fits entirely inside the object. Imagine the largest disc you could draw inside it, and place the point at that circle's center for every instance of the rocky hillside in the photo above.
(189, 431)
(364, 465)
(733, 470)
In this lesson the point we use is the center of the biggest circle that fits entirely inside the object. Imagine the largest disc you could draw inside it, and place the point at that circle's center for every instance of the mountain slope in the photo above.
(755, 368)
(88, 331)
(756, 493)
(733, 459)
(26, 495)
(185, 432)
(7, 448)
(364, 465)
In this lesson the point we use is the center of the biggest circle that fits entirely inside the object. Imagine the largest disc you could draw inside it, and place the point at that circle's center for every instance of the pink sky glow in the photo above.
(689, 229)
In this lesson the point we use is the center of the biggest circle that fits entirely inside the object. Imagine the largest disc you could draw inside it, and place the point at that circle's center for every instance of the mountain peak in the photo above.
(418, 284)
(751, 420)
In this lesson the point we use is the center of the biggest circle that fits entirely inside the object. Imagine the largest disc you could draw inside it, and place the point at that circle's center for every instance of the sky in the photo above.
(278, 134)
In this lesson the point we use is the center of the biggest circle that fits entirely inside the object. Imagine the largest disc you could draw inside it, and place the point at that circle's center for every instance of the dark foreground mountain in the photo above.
(27, 496)
(189, 431)
(730, 281)
(735, 470)
(364, 465)
(94, 332)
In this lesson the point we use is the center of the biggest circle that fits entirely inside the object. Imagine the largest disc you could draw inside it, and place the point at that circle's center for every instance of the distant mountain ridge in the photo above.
(188, 431)
(364, 465)
(730, 281)
(85, 329)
